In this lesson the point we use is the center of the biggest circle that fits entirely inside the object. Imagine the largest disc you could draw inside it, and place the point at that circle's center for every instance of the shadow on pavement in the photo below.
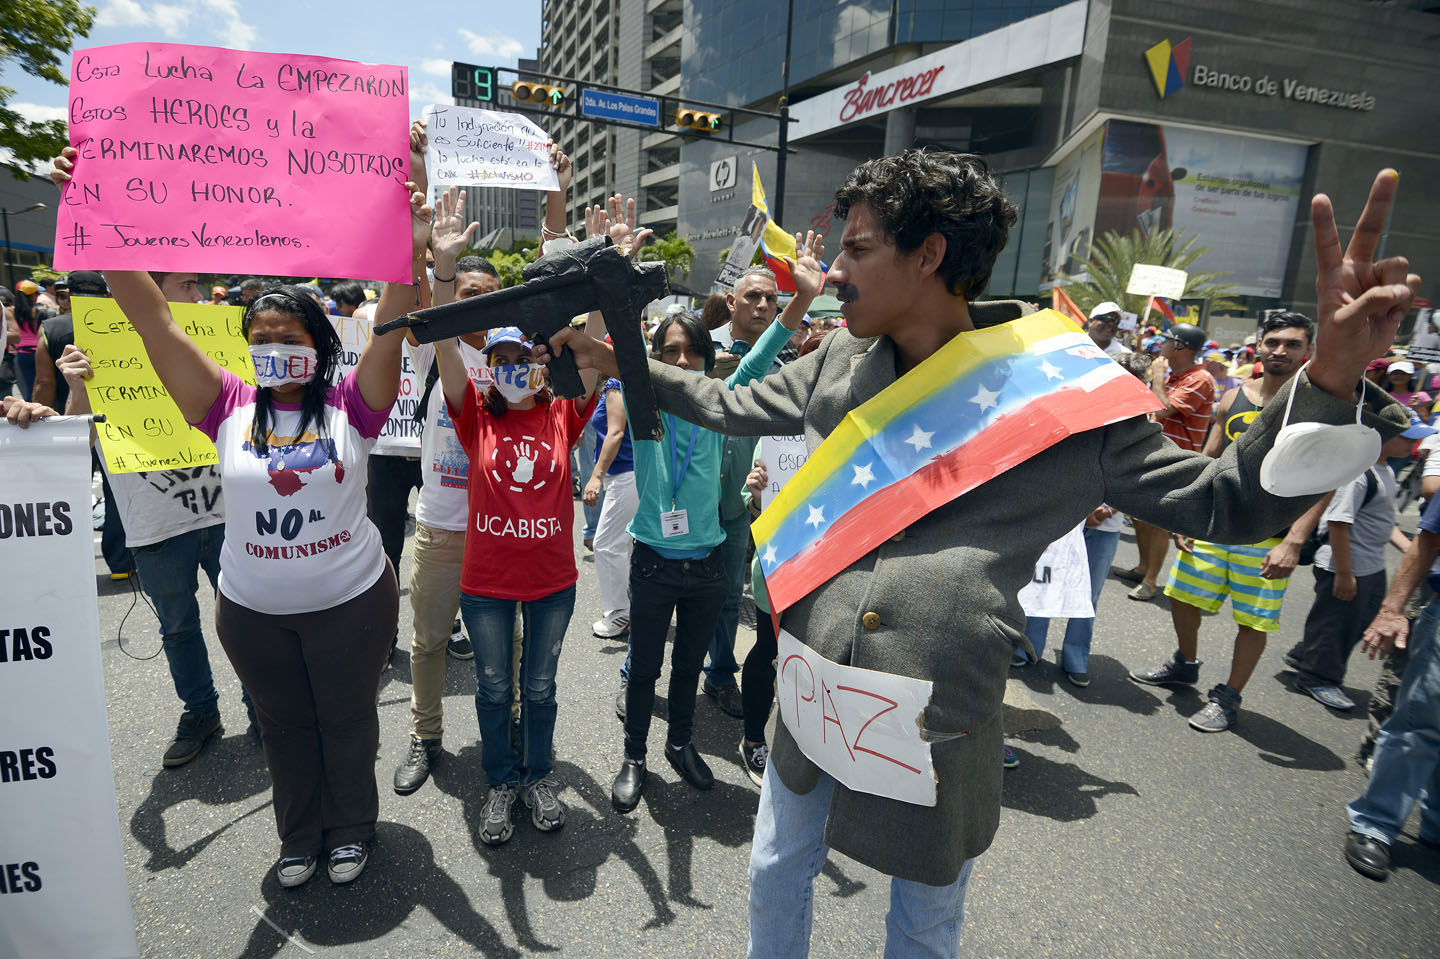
(1110, 685)
(565, 862)
(1282, 746)
(402, 876)
(1060, 791)
(230, 770)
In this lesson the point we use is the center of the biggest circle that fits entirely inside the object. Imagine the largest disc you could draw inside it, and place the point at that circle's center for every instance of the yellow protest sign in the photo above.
(143, 428)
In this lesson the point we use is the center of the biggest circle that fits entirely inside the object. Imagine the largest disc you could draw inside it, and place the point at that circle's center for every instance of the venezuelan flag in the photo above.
(984, 402)
(775, 243)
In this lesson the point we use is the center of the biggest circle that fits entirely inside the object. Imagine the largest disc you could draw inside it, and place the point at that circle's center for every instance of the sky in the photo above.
(494, 34)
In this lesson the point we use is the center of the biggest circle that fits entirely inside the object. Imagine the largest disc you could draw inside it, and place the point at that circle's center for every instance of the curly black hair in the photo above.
(924, 191)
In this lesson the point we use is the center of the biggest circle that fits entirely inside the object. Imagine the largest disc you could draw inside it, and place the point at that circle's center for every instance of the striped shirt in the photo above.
(1192, 393)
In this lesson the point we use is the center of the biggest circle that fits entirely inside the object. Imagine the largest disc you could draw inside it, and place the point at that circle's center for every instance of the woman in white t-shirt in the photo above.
(307, 602)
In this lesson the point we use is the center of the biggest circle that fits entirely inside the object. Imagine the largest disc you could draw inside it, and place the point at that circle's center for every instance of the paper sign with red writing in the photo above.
(143, 428)
(401, 433)
(859, 725)
(207, 160)
(470, 147)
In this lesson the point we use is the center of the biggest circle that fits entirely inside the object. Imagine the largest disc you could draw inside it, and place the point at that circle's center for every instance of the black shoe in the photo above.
(690, 766)
(412, 773)
(620, 704)
(726, 697)
(1369, 856)
(625, 794)
(459, 646)
(191, 734)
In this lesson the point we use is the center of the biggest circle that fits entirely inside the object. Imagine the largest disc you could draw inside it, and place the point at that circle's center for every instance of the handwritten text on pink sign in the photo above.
(210, 160)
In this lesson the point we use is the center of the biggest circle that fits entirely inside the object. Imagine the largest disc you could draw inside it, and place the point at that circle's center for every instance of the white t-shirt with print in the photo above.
(160, 504)
(297, 538)
(444, 468)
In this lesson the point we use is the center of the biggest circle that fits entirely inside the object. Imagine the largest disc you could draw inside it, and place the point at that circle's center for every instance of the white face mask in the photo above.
(515, 383)
(1310, 458)
(277, 364)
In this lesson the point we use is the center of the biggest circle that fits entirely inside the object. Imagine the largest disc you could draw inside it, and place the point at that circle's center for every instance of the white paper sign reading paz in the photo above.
(859, 725)
(1061, 585)
(470, 147)
(783, 456)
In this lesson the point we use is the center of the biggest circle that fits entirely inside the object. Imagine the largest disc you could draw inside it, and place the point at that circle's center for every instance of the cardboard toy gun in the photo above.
(578, 279)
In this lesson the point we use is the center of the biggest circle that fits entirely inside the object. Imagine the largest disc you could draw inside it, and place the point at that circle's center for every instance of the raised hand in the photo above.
(623, 234)
(420, 216)
(418, 143)
(805, 268)
(564, 169)
(449, 236)
(1360, 302)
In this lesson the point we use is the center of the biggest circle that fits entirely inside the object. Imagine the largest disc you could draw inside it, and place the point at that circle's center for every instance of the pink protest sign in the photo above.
(210, 160)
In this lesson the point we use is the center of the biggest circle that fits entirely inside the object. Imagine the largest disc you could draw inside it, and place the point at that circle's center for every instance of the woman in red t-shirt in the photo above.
(519, 540)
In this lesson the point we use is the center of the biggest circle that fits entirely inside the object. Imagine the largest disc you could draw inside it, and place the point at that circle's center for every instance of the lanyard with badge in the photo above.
(676, 522)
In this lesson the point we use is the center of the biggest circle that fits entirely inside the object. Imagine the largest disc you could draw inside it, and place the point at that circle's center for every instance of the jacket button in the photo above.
(871, 620)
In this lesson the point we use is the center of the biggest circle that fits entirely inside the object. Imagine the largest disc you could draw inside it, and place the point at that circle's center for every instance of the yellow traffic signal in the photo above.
(526, 91)
(697, 120)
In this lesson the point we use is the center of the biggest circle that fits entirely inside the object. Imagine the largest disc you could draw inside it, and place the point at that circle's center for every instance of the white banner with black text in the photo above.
(62, 870)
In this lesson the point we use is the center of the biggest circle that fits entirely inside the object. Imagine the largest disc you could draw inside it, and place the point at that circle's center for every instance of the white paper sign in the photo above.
(1148, 280)
(62, 864)
(1061, 585)
(470, 147)
(859, 725)
(401, 434)
(783, 456)
(742, 251)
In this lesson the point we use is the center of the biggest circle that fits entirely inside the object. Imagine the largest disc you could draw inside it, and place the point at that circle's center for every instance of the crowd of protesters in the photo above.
(493, 572)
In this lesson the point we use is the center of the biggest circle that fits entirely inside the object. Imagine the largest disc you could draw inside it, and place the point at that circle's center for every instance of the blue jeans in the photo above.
(1075, 654)
(490, 624)
(584, 465)
(787, 854)
(168, 574)
(721, 668)
(1407, 752)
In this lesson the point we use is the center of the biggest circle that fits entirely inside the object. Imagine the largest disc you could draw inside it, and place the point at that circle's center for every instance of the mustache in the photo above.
(846, 293)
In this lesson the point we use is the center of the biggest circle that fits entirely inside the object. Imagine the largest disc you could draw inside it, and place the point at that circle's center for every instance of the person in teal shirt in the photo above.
(676, 566)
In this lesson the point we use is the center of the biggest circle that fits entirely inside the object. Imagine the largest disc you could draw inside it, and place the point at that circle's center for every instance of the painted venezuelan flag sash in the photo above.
(984, 402)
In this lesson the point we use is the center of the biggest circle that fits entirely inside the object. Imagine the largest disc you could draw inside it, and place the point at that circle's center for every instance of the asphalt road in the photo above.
(1124, 832)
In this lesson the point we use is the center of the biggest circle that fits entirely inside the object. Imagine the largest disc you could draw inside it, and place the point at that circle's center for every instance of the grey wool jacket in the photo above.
(945, 589)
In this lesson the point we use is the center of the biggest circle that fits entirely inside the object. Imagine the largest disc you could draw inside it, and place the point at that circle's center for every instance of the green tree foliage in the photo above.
(1113, 256)
(36, 35)
(674, 251)
(507, 264)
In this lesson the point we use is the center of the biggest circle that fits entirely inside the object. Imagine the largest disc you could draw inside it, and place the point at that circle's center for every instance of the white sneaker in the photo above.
(612, 625)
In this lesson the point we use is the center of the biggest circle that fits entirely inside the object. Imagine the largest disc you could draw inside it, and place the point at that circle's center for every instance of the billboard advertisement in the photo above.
(1239, 195)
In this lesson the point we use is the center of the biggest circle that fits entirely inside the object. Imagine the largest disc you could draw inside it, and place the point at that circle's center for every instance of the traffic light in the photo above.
(469, 82)
(526, 91)
(696, 120)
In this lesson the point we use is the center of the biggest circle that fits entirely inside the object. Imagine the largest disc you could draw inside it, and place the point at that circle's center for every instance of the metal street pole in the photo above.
(9, 254)
(779, 211)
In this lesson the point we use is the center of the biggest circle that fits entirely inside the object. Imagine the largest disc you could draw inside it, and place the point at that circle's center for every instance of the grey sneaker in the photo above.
(191, 734)
(547, 812)
(1332, 696)
(754, 758)
(1220, 713)
(495, 824)
(348, 862)
(1173, 672)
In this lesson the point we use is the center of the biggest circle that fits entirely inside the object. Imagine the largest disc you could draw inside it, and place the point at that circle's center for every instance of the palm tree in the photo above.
(674, 251)
(1113, 256)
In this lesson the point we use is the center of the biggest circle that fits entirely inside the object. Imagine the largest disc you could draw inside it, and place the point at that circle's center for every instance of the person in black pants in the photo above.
(757, 677)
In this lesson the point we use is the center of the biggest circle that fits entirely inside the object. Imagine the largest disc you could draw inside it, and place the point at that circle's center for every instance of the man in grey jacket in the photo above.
(937, 600)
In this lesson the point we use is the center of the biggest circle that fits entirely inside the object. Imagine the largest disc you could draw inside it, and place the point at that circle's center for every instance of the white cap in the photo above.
(1106, 308)
(1402, 366)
